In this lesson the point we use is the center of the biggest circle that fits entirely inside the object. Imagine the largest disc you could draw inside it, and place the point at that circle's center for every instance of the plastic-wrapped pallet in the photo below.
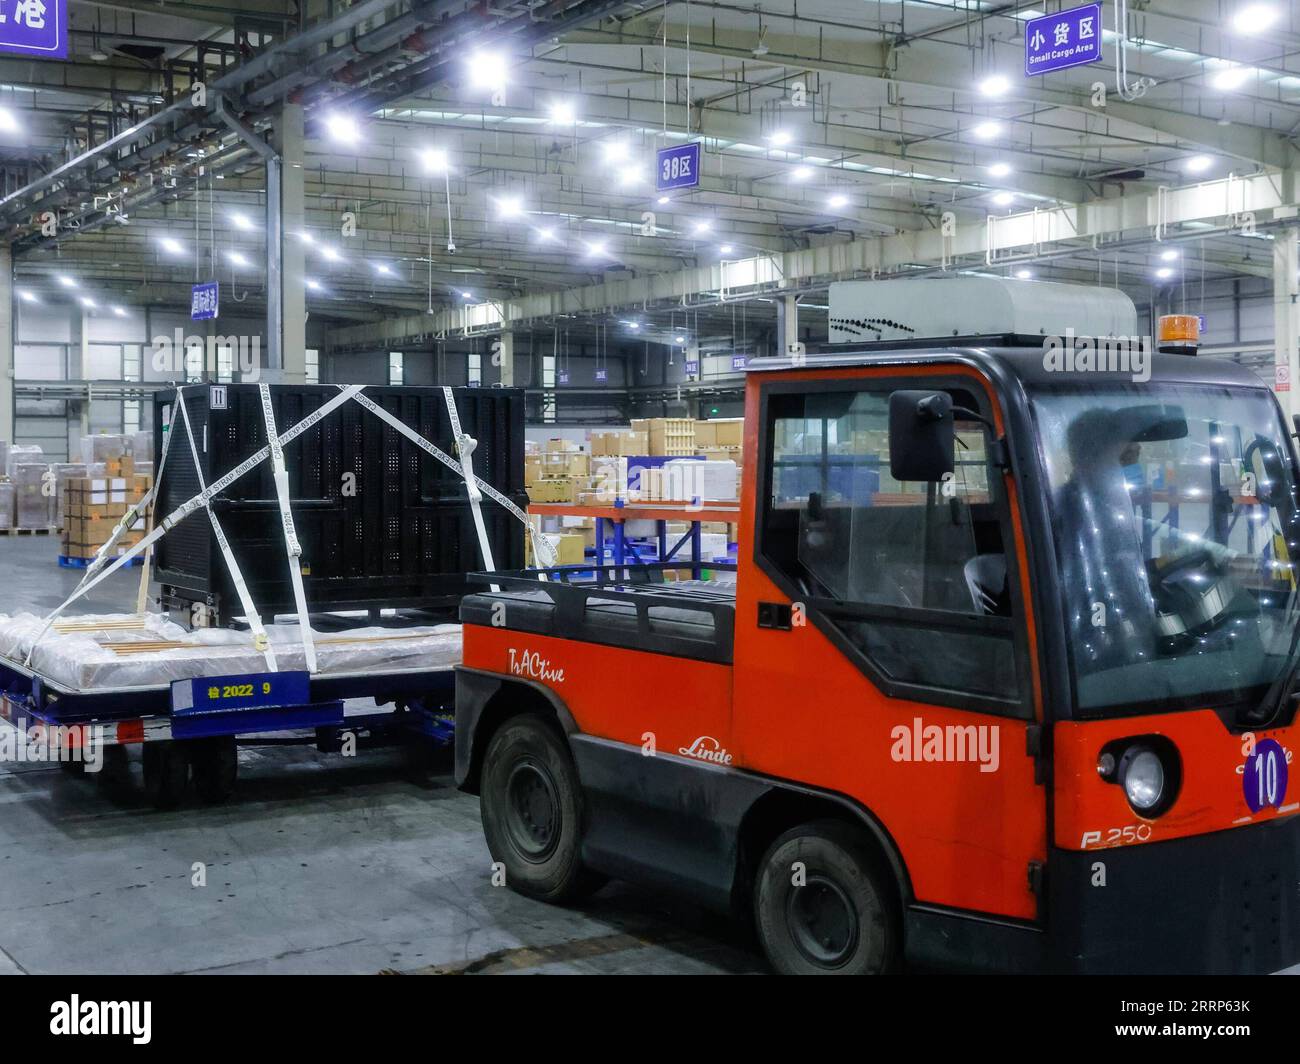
(63, 472)
(104, 447)
(7, 497)
(18, 455)
(4, 456)
(702, 479)
(32, 507)
(141, 448)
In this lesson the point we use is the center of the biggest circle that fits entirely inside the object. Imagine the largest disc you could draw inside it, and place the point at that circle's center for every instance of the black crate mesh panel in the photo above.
(381, 523)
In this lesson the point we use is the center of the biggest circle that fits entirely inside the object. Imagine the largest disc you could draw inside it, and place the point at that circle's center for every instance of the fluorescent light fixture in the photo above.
(634, 325)
(27, 296)
(837, 201)
(726, 249)
(1198, 164)
(241, 221)
(66, 281)
(237, 258)
(1164, 272)
(801, 173)
(1254, 18)
(488, 70)
(313, 284)
(987, 130)
(1024, 275)
(87, 302)
(562, 113)
(1168, 256)
(330, 254)
(467, 295)
(629, 176)
(702, 226)
(999, 169)
(8, 123)
(780, 138)
(679, 339)
(119, 312)
(995, 85)
(434, 160)
(1230, 78)
(509, 207)
(343, 128)
(546, 234)
(306, 237)
(616, 151)
(383, 267)
(663, 201)
(172, 247)
(598, 249)
(1004, 199)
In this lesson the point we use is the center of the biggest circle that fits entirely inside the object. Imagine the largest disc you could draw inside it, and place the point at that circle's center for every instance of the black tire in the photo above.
(214, 765)
(166, 773)
(114, 774)
(531, 804)
(842, 920)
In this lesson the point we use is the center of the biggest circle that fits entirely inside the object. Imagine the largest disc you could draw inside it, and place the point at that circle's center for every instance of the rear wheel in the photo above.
(215, 767)
(166, 773)
(531, 804)
(823, 905)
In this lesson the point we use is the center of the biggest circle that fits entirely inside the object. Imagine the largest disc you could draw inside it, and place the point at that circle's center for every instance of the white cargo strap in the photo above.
(464, 450)
(542, 549)
(291, 544)
(201, 499)
(260, 642)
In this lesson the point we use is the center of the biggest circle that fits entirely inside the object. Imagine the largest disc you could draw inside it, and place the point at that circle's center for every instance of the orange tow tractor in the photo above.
(1006, 678)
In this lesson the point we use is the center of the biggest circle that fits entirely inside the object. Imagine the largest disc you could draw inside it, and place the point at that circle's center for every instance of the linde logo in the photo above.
(930, 742)
(75, 1016)
(531, 664)
(706, 748)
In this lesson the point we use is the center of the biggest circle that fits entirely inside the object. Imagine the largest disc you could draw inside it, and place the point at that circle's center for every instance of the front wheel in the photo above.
(531, 804)
(823, 905)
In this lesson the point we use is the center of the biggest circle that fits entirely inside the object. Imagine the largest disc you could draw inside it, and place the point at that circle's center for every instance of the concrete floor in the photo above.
(320, 864)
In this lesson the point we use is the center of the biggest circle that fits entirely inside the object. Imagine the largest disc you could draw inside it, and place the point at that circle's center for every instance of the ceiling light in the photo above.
(546, 234)
(66, 281)
(314, 285)
(343, 128)
(236, 258)
(801, 173)
(330, 254)
(8, 123)
(119, 312)
(27, 296)
(1024, 275)
(562, 113)
(999, 169)
(634, 325)
(837, 201)
(1254, 18)
(241, 221)
(306, 237)
(467, 295)
(726, 249)
(509, 206)
(987, 130)
(702, 226)
(383, 267)
(1198, 164)
(995, 85)
(1230, 78)
(1164, 272)
(172, 247)
(434, 160)
(679, 339)
(1168, 256)
(1004, 199)
(616, 151)
(629, 176)
(598, 249)
(780, 138)
(86, 301)
(662, 200)
(488, 70)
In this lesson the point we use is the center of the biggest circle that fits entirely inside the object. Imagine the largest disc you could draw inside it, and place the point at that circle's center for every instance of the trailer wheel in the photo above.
(166, 773)
(823, 905)
(215, 766)
(531, 804)
(114, 774)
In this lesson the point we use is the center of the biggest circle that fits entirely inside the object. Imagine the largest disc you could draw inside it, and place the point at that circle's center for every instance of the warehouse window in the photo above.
(911, 579)
(131, 415)
(311, 362)
(193, 363)
(395, 367)
(548, 381)
(474, 369)
(225, 364)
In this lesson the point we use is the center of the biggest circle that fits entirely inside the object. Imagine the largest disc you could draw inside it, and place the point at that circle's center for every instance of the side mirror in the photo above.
(1295, 423)
(920, 435)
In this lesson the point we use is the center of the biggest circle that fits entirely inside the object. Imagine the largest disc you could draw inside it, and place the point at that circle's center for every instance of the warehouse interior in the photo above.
(419, 194)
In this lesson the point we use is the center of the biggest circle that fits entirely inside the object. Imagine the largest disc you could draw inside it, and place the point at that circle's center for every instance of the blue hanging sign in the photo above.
(34, 28)
(203, 298)
(1066, 39)
(677, 167)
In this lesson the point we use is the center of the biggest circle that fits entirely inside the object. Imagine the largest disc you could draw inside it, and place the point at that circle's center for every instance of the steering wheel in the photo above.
(1192, 592)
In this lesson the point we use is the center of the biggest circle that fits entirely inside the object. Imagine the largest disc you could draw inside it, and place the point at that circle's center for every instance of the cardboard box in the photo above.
(567, 464)
(569, 548)
(728, 432)
(556, 489)
(559, 445)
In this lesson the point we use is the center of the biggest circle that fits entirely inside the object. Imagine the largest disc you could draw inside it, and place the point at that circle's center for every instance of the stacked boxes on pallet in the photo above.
(95, 505)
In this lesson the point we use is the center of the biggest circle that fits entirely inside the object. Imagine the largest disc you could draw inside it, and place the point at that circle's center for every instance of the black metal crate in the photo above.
(381, 522)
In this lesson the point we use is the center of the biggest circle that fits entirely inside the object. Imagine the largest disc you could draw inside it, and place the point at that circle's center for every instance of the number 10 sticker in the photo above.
(1264, 777)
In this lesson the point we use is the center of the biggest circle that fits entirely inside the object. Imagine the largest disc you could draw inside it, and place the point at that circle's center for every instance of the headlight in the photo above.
(1142, 775)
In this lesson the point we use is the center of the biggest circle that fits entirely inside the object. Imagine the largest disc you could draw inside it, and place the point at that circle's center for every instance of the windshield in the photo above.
(1174, 516)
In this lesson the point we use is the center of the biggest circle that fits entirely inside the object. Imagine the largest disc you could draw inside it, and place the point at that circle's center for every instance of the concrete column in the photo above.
(289, 141)
(788, 313)
(1286, 316)
(506, 352)
(6, 344)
